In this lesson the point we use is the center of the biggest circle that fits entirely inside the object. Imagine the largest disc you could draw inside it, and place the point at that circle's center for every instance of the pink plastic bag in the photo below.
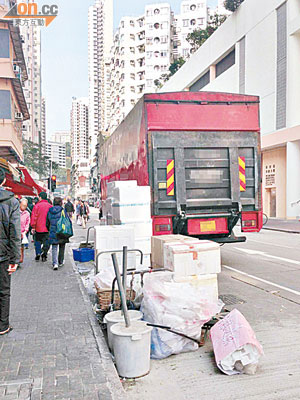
(235, 344)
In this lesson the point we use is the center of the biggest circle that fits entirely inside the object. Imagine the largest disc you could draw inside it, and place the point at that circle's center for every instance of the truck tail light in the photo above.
(251, 221)
(162, 226)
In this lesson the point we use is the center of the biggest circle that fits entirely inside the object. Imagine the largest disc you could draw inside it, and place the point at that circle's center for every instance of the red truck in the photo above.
(200, 154)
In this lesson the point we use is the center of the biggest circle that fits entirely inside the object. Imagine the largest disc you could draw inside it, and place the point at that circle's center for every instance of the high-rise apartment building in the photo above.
(79, 129)
(43, 124)
(61, 137)
(193, 16)
(100, 39)
(32, 128)
(143, 49)
(56, 152)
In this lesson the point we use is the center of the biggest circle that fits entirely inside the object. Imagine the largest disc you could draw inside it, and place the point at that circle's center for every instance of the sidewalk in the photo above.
(56, 349)
(283, 225)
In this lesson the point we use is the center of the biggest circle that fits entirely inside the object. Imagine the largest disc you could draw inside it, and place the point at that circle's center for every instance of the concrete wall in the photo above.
(292, 174)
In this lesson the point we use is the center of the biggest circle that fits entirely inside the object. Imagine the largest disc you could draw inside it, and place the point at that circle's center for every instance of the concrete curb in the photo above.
(281, 230)
(113, 380)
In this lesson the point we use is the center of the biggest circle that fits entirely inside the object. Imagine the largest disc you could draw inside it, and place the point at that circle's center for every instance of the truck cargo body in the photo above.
(200, 154)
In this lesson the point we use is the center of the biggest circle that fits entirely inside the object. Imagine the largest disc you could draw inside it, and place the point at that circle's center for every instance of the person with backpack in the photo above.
(10, 248)
(58, 238)
(69, 207)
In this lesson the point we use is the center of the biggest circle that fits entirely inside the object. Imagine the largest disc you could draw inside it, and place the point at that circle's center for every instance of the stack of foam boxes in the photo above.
(190, 260)
(129, 205)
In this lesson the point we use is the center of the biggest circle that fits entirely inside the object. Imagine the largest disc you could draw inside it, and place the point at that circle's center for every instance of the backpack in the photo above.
(64, 229)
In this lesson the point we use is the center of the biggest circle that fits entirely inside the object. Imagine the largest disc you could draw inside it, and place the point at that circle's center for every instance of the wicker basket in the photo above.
(104, 297)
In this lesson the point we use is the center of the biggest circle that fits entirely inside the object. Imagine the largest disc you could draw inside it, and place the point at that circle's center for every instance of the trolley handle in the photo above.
(117, 251)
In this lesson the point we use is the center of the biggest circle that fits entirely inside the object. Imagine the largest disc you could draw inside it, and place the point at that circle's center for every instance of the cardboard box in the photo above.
(157, 246)
(186, 259)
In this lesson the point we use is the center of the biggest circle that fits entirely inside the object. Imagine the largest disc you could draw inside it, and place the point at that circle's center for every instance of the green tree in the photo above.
(232, 5)
(174, 67)
(32, 161)
(199, 36)
(68, 149)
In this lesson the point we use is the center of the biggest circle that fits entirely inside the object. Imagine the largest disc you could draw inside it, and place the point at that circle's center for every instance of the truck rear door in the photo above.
(201, 173)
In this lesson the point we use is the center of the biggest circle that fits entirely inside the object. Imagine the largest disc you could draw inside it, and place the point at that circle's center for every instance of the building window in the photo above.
(227, 62)
(193, 7)
(4, 43)
(185, 22)
(5, 104)
(156, 25)
(156, 40)
(156, 68)
(149, 41)
(131, 23)
(193, 22)
(156, 54)
(201, 82)
(156, 11)
(164, 39)
(200, 21)
(149, 82)
(150, 26)
(149, 54)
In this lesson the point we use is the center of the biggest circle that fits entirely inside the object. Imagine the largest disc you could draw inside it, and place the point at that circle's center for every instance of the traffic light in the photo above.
(53, 183)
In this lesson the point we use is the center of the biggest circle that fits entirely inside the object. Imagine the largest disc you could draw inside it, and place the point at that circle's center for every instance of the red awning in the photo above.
(24, 186)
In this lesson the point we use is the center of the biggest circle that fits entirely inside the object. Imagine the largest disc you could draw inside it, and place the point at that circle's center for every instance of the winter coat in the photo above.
(10, 228)
(69, 207)
(53, 217)
(25, 221)
(39, 216)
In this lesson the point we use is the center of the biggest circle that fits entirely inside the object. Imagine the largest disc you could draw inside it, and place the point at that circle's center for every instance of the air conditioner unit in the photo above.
(18, 116)
(17, 68)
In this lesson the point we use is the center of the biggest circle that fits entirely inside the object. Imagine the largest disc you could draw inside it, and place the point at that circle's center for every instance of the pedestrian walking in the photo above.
(25, 222)
(69, 207)
(78, 211)
(39, 229)
(10, 249)
(84, 213)
(58, 243)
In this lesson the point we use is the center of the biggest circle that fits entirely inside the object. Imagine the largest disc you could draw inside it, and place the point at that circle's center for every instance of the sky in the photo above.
(65, 54)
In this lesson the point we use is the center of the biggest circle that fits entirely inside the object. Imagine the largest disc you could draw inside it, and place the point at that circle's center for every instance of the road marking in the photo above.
(262, 253)
(270, 244)
(263, 280)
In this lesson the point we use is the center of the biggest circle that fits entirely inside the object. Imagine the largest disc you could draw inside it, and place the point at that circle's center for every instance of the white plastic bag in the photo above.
(178, 305)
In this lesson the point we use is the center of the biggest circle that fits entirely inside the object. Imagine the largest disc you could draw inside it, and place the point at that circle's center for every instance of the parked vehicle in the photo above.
(200, 154)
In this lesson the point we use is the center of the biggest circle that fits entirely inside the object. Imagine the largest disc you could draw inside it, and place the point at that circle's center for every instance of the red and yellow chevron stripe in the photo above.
(170, 178)
(242, 173)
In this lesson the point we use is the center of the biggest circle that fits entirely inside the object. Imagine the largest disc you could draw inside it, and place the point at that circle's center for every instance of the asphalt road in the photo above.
(262, 279)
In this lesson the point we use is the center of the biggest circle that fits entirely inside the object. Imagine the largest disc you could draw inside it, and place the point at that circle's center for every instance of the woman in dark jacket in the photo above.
(58, 244)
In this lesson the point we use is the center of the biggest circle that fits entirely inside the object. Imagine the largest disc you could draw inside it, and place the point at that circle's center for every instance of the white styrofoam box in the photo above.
(119, 184)
(207, 285)
(111, 237)
(203, 257)
(138, 194)
(143, 244)
(133, 212)
(141, 229)
(157, 246)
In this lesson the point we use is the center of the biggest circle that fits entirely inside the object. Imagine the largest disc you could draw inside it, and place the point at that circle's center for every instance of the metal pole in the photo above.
(125, 253)
(122, 295)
